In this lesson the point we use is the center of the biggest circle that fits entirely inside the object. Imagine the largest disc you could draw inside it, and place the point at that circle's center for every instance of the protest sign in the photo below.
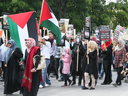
(105, 32)
(5, 25)
(117, 33)
(62, 43)
(70, 31)
(86, 33)
(96, 30)
(87, 28)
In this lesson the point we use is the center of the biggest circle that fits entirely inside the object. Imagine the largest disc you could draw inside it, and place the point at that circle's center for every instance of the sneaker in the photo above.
(114, 84)
(47, 85)
(64, 86)
(70, 83)
(82, 86)
(41, 86)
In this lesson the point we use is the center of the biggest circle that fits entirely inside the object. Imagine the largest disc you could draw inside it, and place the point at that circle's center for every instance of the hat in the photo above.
(45, 37)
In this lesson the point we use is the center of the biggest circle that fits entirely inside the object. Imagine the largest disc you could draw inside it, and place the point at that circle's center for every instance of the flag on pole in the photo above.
(21, 27)
(49, 21)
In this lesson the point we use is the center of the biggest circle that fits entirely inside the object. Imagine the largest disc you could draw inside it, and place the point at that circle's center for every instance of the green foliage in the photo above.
(76, 10)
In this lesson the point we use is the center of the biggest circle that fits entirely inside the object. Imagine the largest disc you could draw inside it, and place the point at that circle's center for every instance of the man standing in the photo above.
(52, 66)
(45, 51)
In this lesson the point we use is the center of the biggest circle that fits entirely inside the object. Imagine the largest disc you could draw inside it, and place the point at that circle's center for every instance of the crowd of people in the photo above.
(88, 59)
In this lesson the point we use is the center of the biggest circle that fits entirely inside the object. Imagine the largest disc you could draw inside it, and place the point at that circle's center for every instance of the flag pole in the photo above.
(41, 11)
(6, 36)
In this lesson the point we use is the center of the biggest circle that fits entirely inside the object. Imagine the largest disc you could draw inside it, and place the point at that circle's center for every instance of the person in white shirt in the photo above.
(45, 51)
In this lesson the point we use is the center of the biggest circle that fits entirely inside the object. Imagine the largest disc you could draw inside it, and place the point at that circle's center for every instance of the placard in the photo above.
(78, 38)
(87, 28)
(96, 30)
(87, 33)
(117, 32)
(5, 25)
(105, 32)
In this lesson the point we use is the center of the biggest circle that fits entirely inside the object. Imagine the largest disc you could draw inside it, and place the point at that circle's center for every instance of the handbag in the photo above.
(42, 64)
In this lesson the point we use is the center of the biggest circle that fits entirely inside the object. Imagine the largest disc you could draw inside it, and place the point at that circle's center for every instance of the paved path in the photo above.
(101, 90)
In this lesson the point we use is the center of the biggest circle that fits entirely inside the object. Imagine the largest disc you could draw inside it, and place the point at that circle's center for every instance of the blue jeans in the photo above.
(45, 74)
(102, 71)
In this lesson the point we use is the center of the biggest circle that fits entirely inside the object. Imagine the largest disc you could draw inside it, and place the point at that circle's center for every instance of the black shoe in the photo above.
(60, 80)
(92, 88)
(85, 88)
(100, 78)
(103, 84)
(79, 84)
(109, 82)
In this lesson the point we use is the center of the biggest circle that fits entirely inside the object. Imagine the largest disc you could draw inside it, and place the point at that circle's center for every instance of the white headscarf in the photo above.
(122, 43)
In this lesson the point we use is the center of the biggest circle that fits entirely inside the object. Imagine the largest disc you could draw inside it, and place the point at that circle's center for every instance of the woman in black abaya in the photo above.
(74, 62)
(12, 74)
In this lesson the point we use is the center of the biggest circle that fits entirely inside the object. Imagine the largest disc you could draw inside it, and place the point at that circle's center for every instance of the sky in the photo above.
(108, 1)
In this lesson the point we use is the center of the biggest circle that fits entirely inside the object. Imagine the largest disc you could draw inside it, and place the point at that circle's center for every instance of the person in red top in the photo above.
(119, 54)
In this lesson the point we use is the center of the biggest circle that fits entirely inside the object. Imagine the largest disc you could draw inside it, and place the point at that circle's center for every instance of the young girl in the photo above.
(91, 67)
(66, 66)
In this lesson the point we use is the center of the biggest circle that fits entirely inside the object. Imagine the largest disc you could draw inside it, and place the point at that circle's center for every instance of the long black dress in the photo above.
(74, 72)
(36, 77)
(107, 60)
(12, 74)
(91, 68)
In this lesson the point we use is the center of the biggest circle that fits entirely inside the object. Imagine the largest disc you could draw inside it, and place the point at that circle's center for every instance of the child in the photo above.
(91, 67)
(66, 66)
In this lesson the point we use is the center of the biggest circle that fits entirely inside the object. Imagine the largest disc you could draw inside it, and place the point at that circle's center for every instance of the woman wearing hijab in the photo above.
(119, 54)
(107, 60)
(91, 67)
(12, 74)
(32, 77)
(74, 61)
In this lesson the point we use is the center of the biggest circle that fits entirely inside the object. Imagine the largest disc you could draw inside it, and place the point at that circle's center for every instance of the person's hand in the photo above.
(5, 65)
(122, 72)
(78, 50)
(12, 52)
(121, 65)
(21, 63)
(33, 70)
(87, 56)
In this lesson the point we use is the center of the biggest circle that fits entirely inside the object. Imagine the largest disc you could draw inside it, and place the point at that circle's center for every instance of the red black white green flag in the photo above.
(21, 27)
(49, 21)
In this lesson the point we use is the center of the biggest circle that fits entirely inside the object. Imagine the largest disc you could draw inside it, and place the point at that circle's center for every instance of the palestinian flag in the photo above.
(49, 21)
(21, 27)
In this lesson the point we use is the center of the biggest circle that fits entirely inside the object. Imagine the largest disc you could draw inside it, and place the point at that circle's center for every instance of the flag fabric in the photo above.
(38, 29)
(21, 27)
(49, 21)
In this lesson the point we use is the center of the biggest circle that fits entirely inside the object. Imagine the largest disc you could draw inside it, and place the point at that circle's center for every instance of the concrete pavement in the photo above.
(101, 90)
